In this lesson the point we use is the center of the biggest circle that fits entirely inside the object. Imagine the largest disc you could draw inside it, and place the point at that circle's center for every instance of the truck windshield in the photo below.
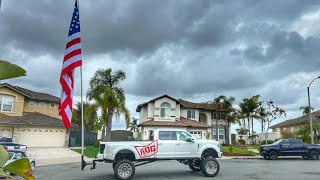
(277, 142)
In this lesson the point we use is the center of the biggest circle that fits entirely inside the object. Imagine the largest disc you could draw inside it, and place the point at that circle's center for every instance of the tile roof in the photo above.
(31, 94)
(186, 104)
(302, 120)
(31, 118)
(182, 122)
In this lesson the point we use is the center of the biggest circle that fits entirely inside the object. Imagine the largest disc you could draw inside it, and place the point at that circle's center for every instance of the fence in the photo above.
(90, 138)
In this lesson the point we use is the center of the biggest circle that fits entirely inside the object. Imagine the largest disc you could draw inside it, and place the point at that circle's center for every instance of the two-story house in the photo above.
(197, 118)
(31, 118)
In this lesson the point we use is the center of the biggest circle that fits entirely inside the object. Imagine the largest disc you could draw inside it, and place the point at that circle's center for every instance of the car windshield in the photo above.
(277, 142)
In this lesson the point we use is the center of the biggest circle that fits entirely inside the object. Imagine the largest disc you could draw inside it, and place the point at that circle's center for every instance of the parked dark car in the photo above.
(290, 147)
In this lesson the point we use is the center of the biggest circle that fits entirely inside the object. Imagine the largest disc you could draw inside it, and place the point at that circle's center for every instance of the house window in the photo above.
(32, 103)
(42, 104)
(165, 110)
(6, 103)
(191, 114)
(221, 133)
(52, 105)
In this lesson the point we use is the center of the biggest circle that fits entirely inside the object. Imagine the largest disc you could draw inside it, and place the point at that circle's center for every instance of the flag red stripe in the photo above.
(71, 67)
(73, 42)
(71, 54)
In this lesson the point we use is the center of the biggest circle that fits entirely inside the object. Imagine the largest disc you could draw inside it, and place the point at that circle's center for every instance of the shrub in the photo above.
(231, 148)
(269, 142)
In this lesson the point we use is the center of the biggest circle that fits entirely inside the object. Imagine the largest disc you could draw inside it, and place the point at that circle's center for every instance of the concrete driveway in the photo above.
(50, 156)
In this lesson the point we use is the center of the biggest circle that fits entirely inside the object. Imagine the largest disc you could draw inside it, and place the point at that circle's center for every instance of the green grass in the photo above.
(89, 151)
(237, 150)
(257, 147)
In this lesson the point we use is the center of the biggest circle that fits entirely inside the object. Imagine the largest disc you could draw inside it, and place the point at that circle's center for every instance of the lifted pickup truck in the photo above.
(164, 144)
(290, 147)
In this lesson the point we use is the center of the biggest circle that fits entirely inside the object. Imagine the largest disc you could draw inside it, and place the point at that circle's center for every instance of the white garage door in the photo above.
(6, 131)
(42, 137)
(197, 134)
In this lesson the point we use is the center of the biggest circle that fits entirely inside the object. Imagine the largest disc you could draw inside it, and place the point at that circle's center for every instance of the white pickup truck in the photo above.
(163, 144)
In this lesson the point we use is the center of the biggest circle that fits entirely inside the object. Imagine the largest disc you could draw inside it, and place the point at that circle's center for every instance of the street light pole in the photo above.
(310, 118)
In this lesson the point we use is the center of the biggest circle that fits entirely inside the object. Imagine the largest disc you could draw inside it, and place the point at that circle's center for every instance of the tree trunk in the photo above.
(249, 125)
(252, 124)
(227, 133)
(217, 127)
(103, 133)
(109, 127)
(315, 137)
(261, 126)
(244, 123)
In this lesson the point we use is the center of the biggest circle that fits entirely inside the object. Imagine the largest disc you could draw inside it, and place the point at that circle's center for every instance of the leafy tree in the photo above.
(304, 132)
(90, 115)
(134, 125)
(306, 110)
(110, 97)
(268, 114)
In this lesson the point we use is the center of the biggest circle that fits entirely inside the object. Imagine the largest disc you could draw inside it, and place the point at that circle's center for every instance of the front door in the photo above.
(285, 148)
(166, 144)
(185, 145)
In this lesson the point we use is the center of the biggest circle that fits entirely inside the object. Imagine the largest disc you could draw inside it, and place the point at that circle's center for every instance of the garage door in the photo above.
(42, 137)
(197, 134)
(6, 131)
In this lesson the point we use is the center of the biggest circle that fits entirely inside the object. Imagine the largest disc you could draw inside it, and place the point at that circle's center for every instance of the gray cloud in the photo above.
(189, 49)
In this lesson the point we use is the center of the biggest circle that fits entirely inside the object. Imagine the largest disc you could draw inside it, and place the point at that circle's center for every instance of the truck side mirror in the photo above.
(190, 140)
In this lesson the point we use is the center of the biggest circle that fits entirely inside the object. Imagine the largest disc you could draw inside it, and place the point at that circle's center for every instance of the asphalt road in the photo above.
(230, 169)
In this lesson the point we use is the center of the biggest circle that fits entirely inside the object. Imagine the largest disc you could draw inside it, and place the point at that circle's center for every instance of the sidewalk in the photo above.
(241, 157)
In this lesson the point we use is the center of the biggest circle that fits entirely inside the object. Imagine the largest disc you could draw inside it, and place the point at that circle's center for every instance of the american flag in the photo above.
(72, 59)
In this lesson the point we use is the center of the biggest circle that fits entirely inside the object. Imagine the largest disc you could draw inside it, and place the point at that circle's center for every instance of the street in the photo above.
(230, 169)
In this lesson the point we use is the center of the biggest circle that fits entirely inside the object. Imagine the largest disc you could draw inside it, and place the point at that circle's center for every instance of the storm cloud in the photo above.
(188, 49)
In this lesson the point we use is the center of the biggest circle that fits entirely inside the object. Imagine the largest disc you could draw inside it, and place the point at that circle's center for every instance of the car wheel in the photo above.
(273, 155)
(33, 166)
(265, 157)
(210, 167)
(305, 157)
(124, 169)
(314, 155)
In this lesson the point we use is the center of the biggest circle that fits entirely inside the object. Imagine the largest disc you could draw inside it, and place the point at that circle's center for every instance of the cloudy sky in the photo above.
(196, 50)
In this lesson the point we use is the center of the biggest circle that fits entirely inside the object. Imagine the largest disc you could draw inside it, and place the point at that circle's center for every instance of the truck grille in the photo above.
(102, 146)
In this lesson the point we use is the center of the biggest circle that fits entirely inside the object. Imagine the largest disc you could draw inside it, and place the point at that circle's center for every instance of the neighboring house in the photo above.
(31, 118)
(197, 118)
(296, 124)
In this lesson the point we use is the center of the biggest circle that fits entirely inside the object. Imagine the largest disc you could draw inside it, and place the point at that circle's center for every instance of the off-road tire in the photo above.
(314, 155)
(273, 155)
(124, 169)
(209, 167)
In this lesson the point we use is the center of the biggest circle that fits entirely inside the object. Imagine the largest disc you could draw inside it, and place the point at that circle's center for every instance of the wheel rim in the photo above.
(32, 166)
(124, 170)
(273, 156)
(314, 155)
(211, 167)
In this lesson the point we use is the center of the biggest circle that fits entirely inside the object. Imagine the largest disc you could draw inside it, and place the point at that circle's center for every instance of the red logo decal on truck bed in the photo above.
(148, 150)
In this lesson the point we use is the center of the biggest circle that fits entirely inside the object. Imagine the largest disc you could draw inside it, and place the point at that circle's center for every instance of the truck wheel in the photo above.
(314, 155)
(273, 155)
(113, 165)
(265, 157)
(305, 157)
(124, 169)
(210, 167)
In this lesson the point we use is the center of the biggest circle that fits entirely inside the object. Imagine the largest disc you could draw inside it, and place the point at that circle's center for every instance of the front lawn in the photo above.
(89, 151)
(237, 151)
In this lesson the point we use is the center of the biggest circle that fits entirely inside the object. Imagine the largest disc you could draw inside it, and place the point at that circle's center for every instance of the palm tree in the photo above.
(306, 110)
(134, 125)
(248, 107)
(90, 115)
(110, 97)
(227, 106)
